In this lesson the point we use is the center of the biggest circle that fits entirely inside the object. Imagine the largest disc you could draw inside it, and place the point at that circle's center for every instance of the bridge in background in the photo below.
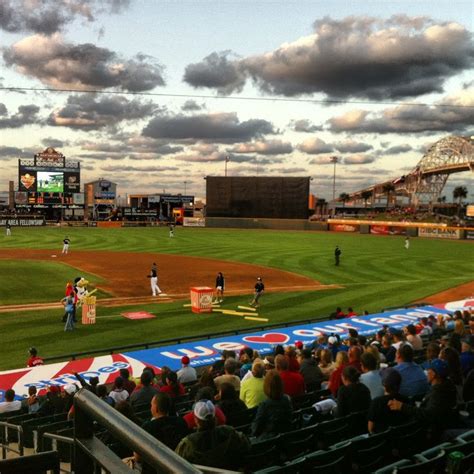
(426, 181)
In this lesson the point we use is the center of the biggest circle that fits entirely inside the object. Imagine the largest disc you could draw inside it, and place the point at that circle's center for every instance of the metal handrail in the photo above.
(89, 450)
(62, 439)
(5, 443)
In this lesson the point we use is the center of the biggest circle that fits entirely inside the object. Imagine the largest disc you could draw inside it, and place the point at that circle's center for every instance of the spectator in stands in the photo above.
(251, 389)
(216, 446)
(32, 403)
(370, 375)
(398, 338)
(467, 355)
(351, 313)
(293, 363)
(53, 403)
(459, 328)
(352, 395)
(118, 393)
(103, 395)
(326, 364)
(34, 359)
(218, 367)
(380, 416)
(205, 393)
(342, 360)
(468, 388)
(437, 409)
(229, 402)
(374, 350)
(127, 410)
(230, 367)
(413, 338)
(91, 385)
(414, 381)
(165, 427)
(310, 371)
(293, 382)
(471, 326)
(338, 314)
(10, 404)
(451, 356)
(274, 415)
(354, 354)
(425, 328)
(173, 388)
(432, 353)
(245, 358)
(128, 385)
(388, 350)
(186, 374)
(205, 380)
(144, 395)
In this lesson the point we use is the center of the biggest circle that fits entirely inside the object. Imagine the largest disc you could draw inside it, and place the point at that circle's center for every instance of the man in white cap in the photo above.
(216, 446)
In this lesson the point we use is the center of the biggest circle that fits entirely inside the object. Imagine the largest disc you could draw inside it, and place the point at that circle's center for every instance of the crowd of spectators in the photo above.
(424, 372)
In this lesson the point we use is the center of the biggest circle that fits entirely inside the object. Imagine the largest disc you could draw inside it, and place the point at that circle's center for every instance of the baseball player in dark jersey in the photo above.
(259, 288)
(155, 289)
(66, 243)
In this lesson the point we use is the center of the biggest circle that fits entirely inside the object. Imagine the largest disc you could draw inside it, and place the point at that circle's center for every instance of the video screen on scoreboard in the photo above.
(50, 182)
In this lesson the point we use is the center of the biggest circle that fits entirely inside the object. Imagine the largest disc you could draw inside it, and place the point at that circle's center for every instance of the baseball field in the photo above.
(297, 268)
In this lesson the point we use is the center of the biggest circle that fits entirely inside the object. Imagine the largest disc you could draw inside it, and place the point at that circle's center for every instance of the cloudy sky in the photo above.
(277, 86)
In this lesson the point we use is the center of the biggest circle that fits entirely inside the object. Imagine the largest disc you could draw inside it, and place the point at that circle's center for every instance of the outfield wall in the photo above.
(258, 223)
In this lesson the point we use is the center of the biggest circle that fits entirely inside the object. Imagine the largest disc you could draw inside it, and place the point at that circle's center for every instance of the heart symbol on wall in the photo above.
(268, 338)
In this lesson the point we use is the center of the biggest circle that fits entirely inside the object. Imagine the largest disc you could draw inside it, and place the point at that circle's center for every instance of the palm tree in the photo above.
(344, 197)
(366, 195)
(388, 189)
(459, 193)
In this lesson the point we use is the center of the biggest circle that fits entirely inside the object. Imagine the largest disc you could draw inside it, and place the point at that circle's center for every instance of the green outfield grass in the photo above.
(376, 271)
(32, 281)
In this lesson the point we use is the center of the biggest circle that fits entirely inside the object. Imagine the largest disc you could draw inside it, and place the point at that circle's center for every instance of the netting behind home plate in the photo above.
(259, 197)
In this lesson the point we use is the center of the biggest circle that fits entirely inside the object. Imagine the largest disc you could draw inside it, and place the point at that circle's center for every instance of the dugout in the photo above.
(257, 197)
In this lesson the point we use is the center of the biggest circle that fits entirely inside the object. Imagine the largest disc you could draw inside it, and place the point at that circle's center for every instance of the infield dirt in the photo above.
(125, 273)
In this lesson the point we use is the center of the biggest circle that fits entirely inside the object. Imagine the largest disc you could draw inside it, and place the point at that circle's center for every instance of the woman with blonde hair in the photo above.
(326, 364)
(459, 328)
(335, 380)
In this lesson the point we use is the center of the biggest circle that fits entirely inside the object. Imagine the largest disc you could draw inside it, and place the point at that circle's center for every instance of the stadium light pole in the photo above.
(227, 159)
(334, 160)
(185, 187)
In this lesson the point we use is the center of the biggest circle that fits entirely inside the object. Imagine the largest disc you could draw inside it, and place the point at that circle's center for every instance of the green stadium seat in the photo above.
(294, 467)
(331, 432)
(434, 465)
(358, 423)
(37, 463)
(367, 453)
(407, 440)
(260, 460)
(45, 444)
(332, 461)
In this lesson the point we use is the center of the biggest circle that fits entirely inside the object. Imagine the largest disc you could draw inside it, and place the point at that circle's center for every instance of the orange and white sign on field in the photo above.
(201, 299)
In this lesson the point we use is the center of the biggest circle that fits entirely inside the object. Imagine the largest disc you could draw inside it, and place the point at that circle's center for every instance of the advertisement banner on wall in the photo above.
(78, 198)
(440, 233)
(72, 182)
(23, 222)
(21, 197)
(469, 234)
(344, 228)
(387, 230)
(194, 222)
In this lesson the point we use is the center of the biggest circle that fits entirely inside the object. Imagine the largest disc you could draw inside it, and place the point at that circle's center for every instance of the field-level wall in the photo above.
(254, 223)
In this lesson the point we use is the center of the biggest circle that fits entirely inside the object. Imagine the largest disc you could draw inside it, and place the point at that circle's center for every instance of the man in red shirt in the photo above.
(293, 382)
(34, 360)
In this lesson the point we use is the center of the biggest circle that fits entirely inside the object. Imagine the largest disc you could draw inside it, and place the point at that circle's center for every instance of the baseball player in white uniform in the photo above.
(66, 243)
(155, 289)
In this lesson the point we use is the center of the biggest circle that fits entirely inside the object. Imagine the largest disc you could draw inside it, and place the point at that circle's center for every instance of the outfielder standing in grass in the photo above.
(8, 229)
(259, 289)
